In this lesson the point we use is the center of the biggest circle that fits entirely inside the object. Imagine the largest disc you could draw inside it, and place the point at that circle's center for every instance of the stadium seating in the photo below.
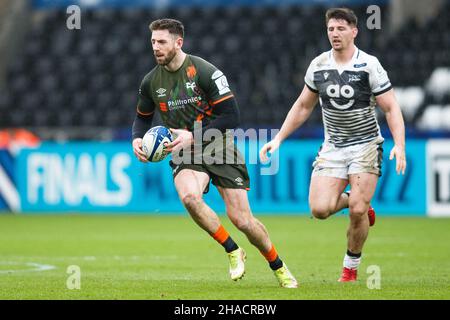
(89, 77)
(410, 99)
(433, 113)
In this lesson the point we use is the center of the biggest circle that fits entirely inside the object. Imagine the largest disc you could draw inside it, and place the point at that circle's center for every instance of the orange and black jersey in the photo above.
(185, 96)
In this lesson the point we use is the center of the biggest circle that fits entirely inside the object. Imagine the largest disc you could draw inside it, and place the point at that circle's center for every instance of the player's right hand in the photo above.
(137, 149)
(271, 147)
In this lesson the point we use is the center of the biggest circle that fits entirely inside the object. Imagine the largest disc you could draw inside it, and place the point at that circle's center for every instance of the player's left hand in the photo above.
(183, 139)
(270, 146)
(399, 153)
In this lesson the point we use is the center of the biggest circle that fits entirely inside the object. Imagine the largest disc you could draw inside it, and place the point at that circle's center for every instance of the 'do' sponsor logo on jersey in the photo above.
(336, 91)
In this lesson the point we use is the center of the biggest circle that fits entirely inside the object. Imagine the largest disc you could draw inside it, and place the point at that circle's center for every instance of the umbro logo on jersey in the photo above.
(325, 75)
(161, 92)
(190, 85)
(239, 181)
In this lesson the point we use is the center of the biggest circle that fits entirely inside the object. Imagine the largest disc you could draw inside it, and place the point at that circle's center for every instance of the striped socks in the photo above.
(222, 237)
(272, 257)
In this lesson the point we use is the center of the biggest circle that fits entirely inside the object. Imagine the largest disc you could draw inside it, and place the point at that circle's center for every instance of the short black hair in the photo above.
(172, 25)
(341, 14)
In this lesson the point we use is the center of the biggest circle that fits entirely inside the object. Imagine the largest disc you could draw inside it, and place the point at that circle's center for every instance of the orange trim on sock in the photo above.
(221, 235)
(271, 255)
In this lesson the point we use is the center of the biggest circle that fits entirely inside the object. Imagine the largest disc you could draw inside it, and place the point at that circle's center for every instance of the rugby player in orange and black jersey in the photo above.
(196, 93)
(187, 90)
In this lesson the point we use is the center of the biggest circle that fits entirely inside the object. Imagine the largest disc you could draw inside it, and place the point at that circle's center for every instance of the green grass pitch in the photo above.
(169, 257)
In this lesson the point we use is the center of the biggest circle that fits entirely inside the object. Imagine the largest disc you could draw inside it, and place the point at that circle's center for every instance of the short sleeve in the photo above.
(309, 78)
(378, 78)
(213, 82)
(145, 106)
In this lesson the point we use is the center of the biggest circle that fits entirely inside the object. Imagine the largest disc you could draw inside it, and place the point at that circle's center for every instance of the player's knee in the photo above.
(358, 209)
(320, 212)
(191, 200)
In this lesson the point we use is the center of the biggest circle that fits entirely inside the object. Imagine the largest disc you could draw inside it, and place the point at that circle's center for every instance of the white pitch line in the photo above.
(36, 267)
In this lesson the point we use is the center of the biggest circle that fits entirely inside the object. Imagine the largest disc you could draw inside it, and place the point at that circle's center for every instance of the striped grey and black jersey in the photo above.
(347, 96)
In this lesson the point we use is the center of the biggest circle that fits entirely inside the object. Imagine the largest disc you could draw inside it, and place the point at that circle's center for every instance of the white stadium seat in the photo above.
(445, 116)
(431, 118)
(410, 99)
(439, 82)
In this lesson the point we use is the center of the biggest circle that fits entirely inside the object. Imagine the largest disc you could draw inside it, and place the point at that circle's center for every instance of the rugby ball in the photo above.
(153, 143)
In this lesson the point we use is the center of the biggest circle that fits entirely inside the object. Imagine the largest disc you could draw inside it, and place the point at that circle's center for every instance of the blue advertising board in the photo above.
(106, 177)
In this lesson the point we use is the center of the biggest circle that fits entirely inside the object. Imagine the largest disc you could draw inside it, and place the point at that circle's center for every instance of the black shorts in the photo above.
(230, 176)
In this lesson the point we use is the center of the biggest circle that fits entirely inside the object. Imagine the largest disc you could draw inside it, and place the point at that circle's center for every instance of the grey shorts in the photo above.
(341, 162)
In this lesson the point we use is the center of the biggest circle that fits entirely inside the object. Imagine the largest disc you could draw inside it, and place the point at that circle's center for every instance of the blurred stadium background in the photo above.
(61, 85)
(68, 97)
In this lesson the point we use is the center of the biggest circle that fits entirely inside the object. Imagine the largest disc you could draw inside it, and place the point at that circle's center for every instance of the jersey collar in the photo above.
(342, 67)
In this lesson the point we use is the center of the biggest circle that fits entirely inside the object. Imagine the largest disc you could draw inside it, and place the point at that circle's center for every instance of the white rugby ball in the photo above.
(153, 143)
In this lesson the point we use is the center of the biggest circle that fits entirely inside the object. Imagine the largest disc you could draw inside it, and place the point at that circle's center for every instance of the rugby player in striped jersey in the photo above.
(348, 83)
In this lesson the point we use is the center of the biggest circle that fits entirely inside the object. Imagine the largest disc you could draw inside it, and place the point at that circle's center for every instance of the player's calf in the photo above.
(242, 222)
